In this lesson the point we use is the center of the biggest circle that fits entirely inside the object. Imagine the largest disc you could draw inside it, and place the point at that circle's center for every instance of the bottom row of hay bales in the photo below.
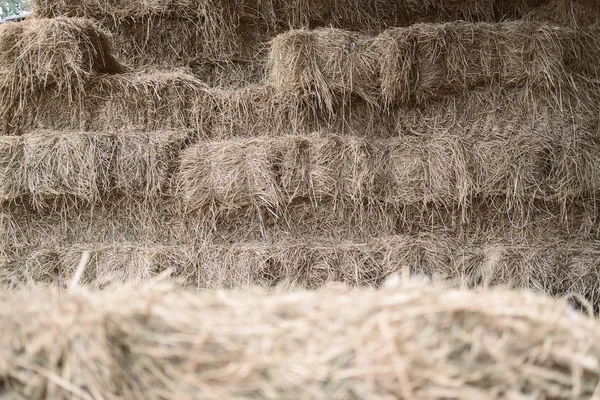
(553, 267)
(408, 342)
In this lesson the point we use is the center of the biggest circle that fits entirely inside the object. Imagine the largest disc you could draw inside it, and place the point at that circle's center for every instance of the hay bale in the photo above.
(167, 221)
(162, 32)
(237, 174)
(323, 167)
(173, 100)
(424, 62)
(324, 64)
(225, 57)
(126, 262)
(452, 168)
(143, 163)
(153, 100)
(259, 110)
(431, 171)
(143, 101)
(176, 33)
(372, 14)
(56, 164)
(61, 52)
(88, 166)
(444, 342)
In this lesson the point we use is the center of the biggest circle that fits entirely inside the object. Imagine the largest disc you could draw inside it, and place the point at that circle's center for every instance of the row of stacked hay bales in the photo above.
(226, 144)
(470, 141)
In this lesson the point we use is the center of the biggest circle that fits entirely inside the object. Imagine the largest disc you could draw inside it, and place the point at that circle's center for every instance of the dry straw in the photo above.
(61, 53)
(88, 166)
(175, 99)
(555, 267)
(408, 342)
(425, 62)
(574, 13)
(149, 101)
(271, 15)
(297, 12)
(209, 34)
(166, 222)
(452, 169)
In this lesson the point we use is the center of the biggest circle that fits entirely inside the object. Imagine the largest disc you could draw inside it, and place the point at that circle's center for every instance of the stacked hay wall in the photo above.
(223, 144)
(478, 134)
(412, 342)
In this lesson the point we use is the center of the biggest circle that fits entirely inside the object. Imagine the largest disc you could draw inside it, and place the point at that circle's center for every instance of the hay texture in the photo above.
(411, 342)
(550, 266)
(175, 99)
(62, 52)
(352, 13)
(449, 170)
(575, 13)
(423, 62)
(168, 222)
(210, 33)
(147, 101)
(88, 166)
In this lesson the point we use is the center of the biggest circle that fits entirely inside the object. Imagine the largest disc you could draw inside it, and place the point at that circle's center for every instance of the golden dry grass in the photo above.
(424, 62)
(227, 37)
(407, 342)
(553, 267)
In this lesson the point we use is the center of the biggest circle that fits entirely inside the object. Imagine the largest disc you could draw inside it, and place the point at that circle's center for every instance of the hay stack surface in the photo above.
(168, 222)
(348, 12)
(61, 54)
(88, 166)
(147, 101)
(576, 13)
(38, 53)
(215, 35)
(549, 266)
(408, 342)
(424, 62)
(272, 173)
(175, 99)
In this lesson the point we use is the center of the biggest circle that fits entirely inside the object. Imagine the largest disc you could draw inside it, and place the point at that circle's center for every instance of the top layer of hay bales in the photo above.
(289, 14)
(349, 13)
(205, 34)
(412, 342)
(423, 62)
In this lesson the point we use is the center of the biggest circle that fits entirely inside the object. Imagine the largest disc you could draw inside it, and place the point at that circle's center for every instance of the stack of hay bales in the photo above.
(396, 137)
(229, 144)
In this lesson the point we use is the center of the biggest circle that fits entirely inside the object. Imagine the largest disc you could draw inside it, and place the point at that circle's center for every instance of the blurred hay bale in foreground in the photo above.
(407, 342)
